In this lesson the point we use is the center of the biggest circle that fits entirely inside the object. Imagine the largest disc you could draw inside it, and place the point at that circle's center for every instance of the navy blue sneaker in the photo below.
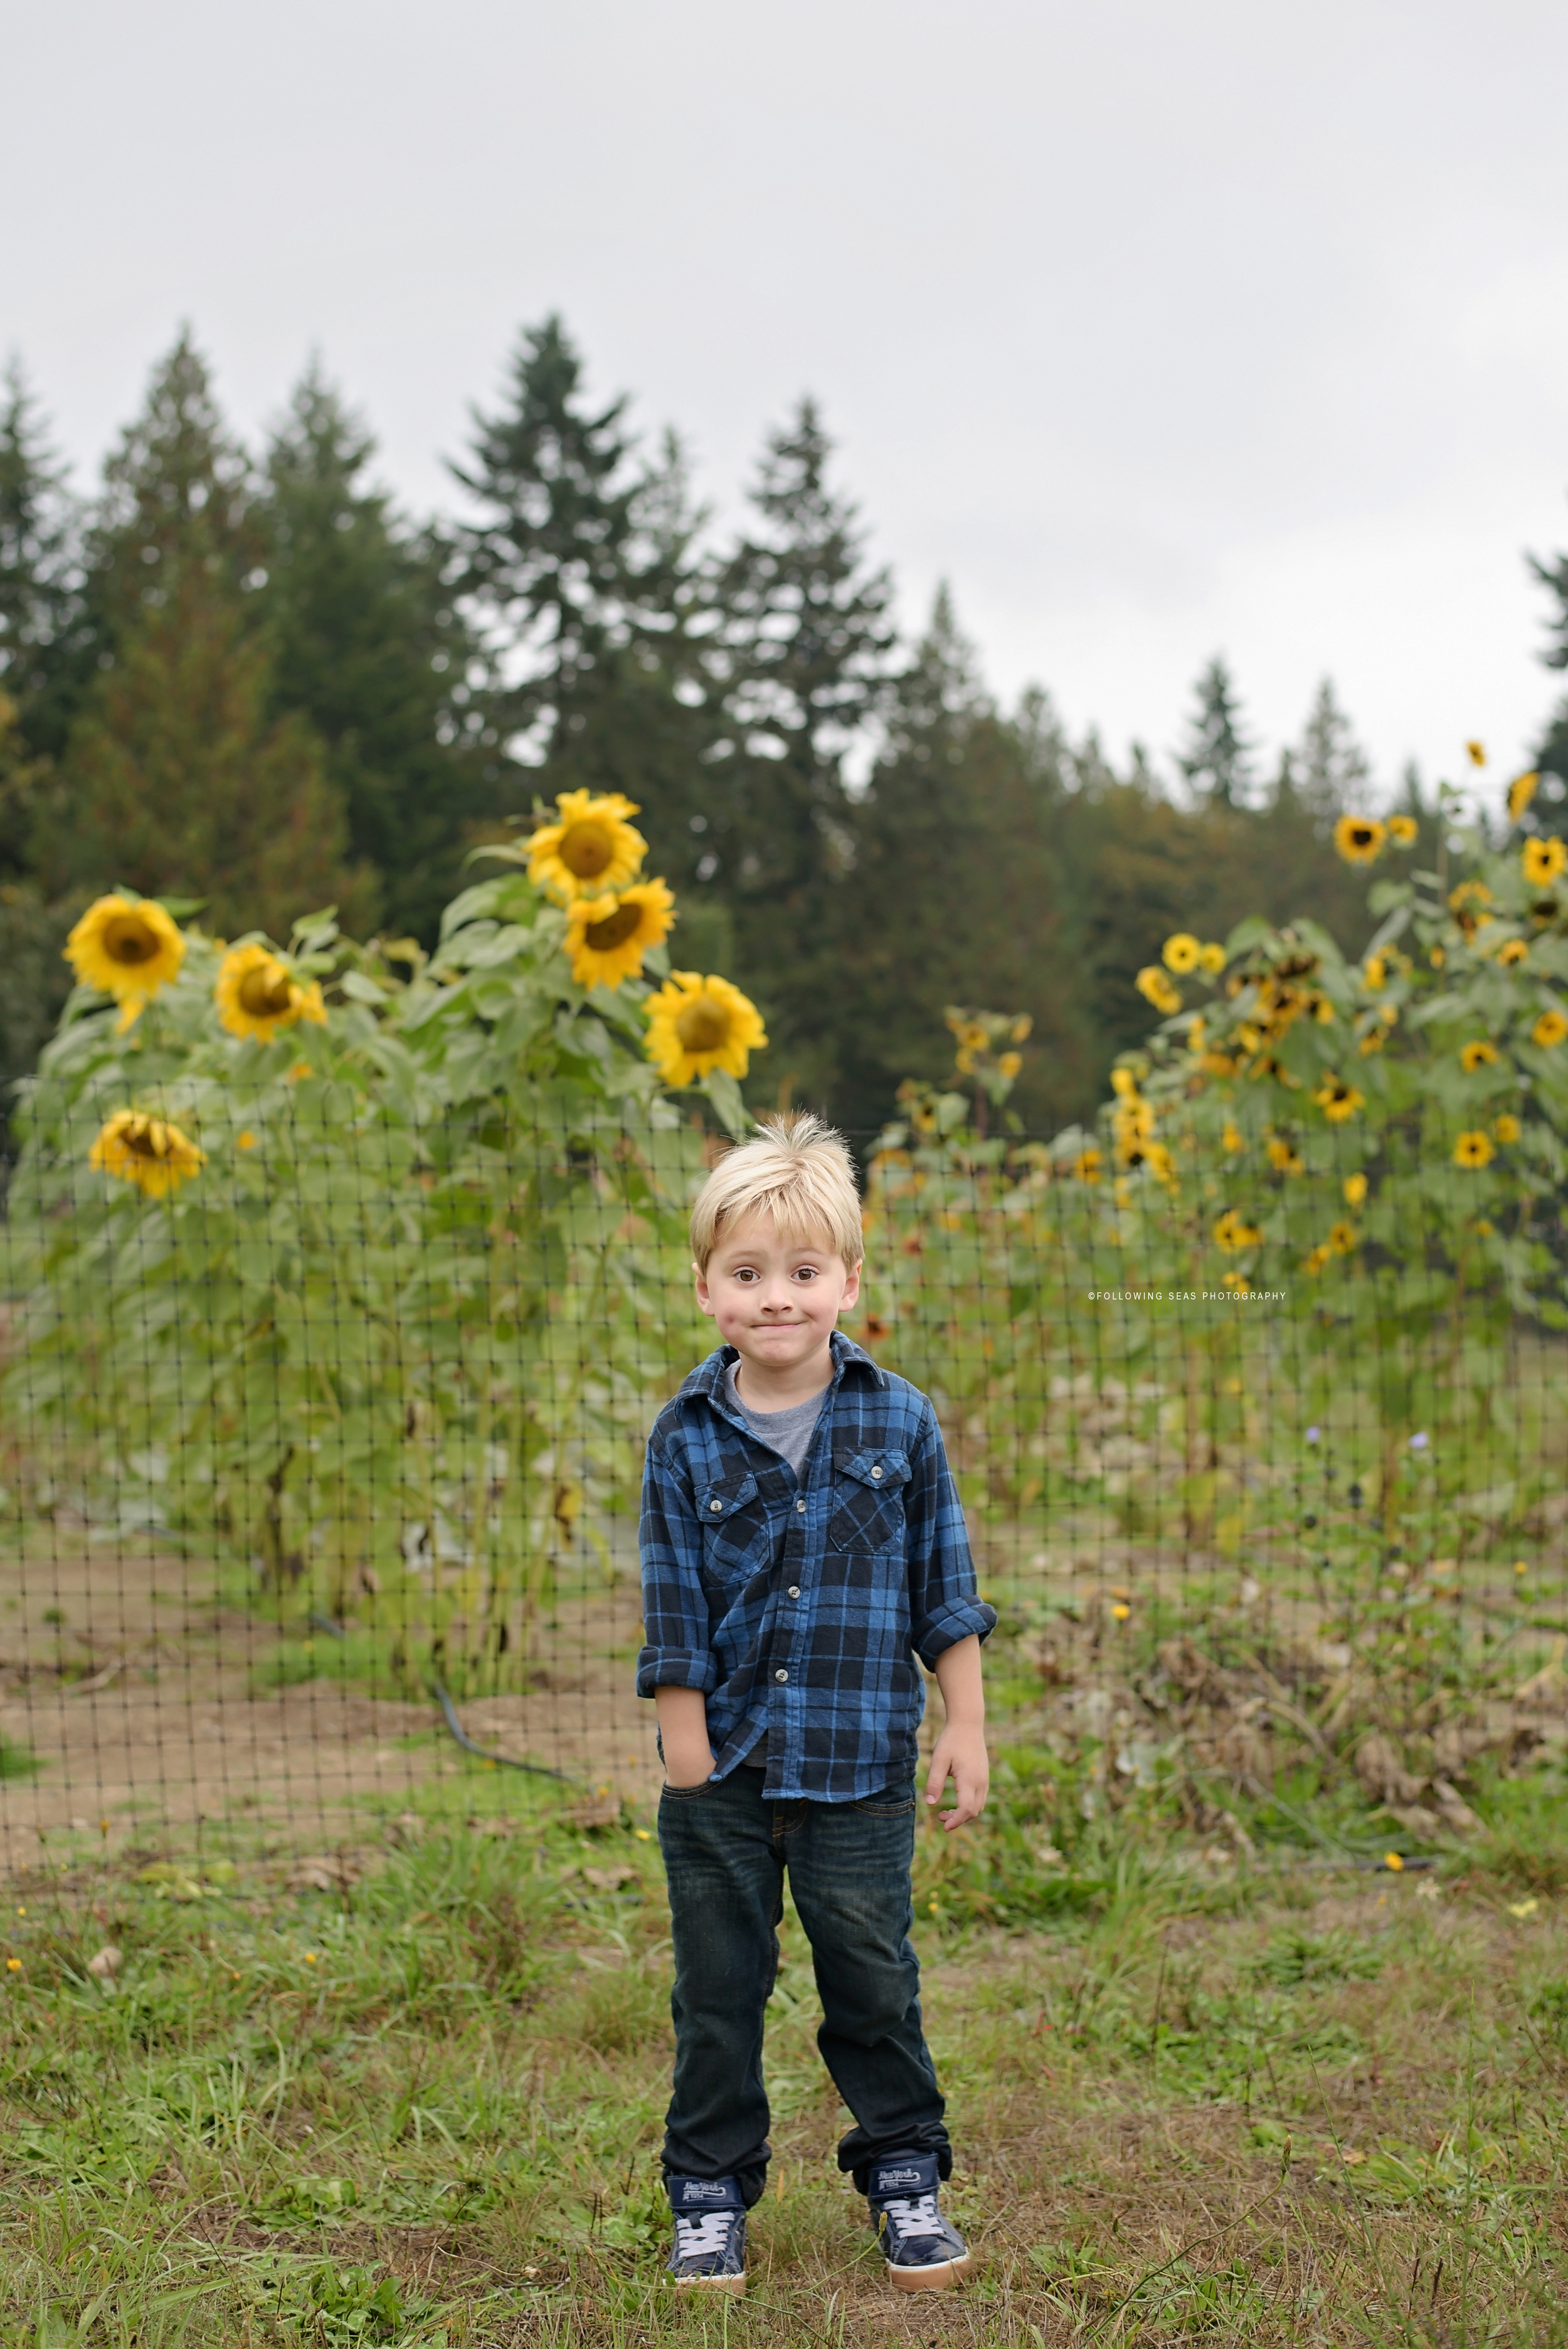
(925, 2253)
(710, 2233)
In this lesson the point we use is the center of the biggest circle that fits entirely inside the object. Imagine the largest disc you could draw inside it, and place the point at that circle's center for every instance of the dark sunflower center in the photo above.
(1362, 836)
(129, 939)
(587, 850)
(703, 1026)
(265, 993)
(146, 1139)
(614, 929)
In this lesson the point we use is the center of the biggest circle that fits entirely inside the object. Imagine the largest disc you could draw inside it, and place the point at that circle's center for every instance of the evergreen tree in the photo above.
(582, 580)
(366, 645)
(1217, 761)
(1330, 772)
(1551, 756)
(38, 577)
(176, 777)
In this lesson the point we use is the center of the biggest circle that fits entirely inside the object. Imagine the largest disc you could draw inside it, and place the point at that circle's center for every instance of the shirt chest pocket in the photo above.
(867, 1512)
(734, 1520)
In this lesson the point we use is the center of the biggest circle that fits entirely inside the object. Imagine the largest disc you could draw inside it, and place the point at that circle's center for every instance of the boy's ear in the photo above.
(851, 1289)
(704, 1301)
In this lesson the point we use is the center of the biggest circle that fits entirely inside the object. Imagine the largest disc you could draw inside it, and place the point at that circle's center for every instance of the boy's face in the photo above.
(775, 1300)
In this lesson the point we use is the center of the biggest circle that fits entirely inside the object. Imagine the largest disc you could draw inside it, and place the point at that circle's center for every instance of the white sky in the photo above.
(1160, 330)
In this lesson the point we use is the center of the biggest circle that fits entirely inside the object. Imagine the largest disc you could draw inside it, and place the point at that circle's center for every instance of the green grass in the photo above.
(1276, 2099)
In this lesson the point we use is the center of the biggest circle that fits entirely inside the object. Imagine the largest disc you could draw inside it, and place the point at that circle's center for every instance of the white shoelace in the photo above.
(916, 2214)
(698, 2239)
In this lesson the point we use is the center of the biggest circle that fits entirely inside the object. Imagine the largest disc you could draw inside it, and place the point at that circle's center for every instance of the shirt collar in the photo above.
(850, 1361)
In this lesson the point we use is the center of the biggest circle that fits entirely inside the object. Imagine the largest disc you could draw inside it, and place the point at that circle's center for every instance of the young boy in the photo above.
(801, 1545)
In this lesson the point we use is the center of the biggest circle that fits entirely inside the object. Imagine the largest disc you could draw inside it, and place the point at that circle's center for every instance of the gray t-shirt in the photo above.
(788, 1433)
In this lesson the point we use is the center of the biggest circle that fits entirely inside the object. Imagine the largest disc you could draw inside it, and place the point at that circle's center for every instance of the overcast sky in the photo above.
(1159, 330)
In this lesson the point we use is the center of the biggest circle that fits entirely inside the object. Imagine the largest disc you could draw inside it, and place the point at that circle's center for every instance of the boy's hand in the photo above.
(960, 1755)
(683, 1733)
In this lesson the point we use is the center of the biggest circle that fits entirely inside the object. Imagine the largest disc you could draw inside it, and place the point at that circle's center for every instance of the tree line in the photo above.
(250, 683)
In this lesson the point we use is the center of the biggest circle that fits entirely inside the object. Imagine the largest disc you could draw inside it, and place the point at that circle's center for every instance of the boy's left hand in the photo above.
(960, 1754)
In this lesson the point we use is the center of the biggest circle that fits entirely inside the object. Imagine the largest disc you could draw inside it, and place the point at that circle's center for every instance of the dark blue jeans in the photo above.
(725, 1851)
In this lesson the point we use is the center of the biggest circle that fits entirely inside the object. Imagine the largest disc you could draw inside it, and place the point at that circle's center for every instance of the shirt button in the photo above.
(876, 1472)
(780, 1676)
(800, 1508)
(716, 1505)
(794, 1590)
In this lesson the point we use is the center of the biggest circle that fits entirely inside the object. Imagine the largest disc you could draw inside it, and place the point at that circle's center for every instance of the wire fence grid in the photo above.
(321, 1477)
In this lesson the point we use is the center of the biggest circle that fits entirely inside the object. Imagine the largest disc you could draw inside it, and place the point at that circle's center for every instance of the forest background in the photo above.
(252, 686)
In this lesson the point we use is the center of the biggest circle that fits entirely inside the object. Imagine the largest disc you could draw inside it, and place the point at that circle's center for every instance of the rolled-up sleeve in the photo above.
(945, 1602)
(678, 1651)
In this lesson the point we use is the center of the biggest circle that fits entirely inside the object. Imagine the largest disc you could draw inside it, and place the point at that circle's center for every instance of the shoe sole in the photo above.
(734, 2284)
(936, 2279)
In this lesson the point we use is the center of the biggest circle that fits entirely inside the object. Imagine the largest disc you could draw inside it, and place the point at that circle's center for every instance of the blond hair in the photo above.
(795, 1170)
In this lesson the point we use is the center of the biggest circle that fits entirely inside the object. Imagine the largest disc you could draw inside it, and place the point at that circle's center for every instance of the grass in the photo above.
(1271, 2098)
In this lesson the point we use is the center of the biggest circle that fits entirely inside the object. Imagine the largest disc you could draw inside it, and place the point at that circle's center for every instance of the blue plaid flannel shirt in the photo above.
(799, 1607)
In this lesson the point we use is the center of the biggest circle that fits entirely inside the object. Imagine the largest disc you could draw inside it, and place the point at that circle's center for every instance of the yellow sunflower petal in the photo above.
(697, 1024)
(150, 1151)
(590, 851)
(127, 947)
(1359, 838)
(607, 937)
(257, 993)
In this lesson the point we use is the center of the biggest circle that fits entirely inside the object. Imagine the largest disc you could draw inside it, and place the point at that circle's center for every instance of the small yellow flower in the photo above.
(1156, 988)
(1437, 958)
(1375, 971)
(1549, 1030)
(1474, 1149)
(1512, 951)
(257, 993)
(1233, 1234)
(1542, 861)
(127, 947)
(1087, 1165)
(1355, 1190)
(1124, 1081)
(1283, 1156)
(1402, 830)
(1181, 952)
(147, 1151)
(1506, 1128)
(1197, 1032)
(1122, 1610)
(1237, 1281)
(1213, 958)
(1231, 1140)
(591, 851)
(1321, 1257)
(245, 1140)
(1476, 754)
(1010, 1064)
(607, 937)
(1521, 792)
(13, 1965)
(1337, 1100)
(1477, 1054)
(697, 1024)
(1391, 1859)
(1342, 1238)
(1359, 838)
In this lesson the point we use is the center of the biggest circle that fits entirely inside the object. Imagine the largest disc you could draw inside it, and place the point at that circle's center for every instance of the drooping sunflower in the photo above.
(1337, 1100)
(608, 937)
(1233, 1234)
(1511, 951)
(127, 947)
(1403, 830)
(1156, 988)
(1521, 792)
(150, 1151)
(257, 993)
(696, 1024)
(1505, 1128)
(1542, 861)
(1477, 1054)
(591, 850)
(1181, 952)
(1359, 838)
(1474, 1149)
(1549, 1031)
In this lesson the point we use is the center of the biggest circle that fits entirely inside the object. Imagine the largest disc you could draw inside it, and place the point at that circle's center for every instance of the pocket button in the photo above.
(715, 1507)
(876, 1473)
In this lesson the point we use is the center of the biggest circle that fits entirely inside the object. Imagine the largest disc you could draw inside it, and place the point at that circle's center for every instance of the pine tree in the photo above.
(1218, 758)
(367, 646)
(582, 580)
(175, 777)
(1330, 772)
(39, 590)
(1552, 755)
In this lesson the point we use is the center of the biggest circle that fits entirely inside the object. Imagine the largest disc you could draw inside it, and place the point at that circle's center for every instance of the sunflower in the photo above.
(147, 1151)
(1321, 1257)
(1477, 1054)
(1549, 1030)
(1337, 1100)
(1359, 838)
(1505, 1128)
(1233, 1235)
(591, 850)
(1511, 951)
(1211, 959)
(1402, 830)
(1282, 1157)
(608, 937)
(698, 1024)
(1474, 1149)
(127, 947)
(1375, 971)
(1181, 952)
(1087, 1165)
(1355, 1188)
(1342, 1238)
(1476, 754)
(1235, 1281)
(1521, 792)
(1155, 988)
(1124, 1083)
(257, 993)
(1542, 861)
(1231, 1140)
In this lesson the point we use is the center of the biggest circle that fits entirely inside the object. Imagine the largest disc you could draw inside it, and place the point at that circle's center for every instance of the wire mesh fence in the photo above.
(322, 1471)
